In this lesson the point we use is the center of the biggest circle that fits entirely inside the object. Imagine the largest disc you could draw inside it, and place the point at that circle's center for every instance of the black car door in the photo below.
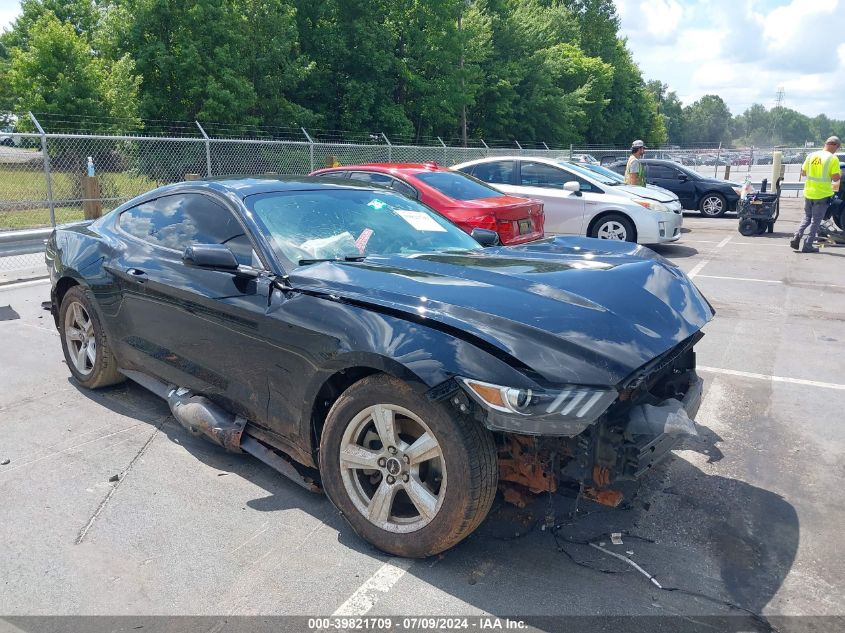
(194, 327)
(673, 179)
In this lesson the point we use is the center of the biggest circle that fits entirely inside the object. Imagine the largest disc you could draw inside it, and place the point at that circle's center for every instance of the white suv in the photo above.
(581, 201)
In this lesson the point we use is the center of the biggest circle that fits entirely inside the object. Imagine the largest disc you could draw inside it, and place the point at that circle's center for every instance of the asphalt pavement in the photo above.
(746, 516)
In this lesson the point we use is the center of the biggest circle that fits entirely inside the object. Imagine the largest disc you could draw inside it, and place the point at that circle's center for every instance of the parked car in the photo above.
(9, 138)
(710, 196)
(579, 201)
(356, 340)
(466, 201)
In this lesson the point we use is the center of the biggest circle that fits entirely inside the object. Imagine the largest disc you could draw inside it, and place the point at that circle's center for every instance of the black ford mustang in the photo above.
(359, 342)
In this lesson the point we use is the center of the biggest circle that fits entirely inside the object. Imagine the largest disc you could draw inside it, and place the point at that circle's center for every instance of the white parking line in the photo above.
(691, 274)
(24, 284)
(367, 595)
(794, 381)
(765, 281)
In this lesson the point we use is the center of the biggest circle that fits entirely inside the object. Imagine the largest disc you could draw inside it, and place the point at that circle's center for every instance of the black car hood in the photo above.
(570, 309)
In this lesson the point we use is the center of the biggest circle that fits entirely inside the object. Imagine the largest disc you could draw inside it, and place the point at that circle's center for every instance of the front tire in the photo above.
(410, 476)
(85, 345)
(614, 226)
(713, 205)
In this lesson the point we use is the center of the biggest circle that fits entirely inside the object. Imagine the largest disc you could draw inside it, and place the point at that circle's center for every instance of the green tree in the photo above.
(58, 74)
(708, 120)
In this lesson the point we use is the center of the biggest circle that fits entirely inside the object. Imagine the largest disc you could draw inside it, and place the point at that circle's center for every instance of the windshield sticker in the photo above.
(361, 242)
(376, 204)
(420, 220)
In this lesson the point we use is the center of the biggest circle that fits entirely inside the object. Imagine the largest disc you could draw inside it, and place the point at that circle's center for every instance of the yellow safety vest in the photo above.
(817, 166)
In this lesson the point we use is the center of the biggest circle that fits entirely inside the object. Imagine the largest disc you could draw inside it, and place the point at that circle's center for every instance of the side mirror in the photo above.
(485, 237)
(682, 177)
(572, 186)
(210, 256)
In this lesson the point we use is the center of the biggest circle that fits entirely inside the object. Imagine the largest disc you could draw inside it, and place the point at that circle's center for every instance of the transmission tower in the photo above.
(776, 113)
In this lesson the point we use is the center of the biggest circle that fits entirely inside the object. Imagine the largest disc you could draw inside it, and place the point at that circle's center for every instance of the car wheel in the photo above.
(713, 205)
(84, 342)
(747, 227)
(614, 227)
(409, 476)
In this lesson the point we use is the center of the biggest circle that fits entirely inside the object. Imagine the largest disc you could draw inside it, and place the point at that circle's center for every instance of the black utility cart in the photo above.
(759, 211)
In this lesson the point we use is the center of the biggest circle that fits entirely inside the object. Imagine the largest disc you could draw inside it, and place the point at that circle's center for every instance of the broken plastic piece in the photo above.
(668, 417)
(616, 538)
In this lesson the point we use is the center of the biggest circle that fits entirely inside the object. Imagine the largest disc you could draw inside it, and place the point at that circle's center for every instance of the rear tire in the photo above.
(85, 345)
(713, 205)
(614, 226)
(414, 507)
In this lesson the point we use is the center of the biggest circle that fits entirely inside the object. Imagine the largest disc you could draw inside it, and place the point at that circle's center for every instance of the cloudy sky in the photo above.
(743, 50)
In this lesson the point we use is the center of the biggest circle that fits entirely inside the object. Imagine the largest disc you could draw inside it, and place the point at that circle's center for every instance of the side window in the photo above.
(498, 172)
(405, 189)
(542, 175)
(661, 171)
(178, 221)
(377, 179)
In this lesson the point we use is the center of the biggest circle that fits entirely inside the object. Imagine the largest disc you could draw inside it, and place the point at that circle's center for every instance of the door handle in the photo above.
(137, 274)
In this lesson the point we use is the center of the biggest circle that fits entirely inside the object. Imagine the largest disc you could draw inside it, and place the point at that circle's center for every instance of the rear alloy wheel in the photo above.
(408, 476)
(84, 342)
(713, 205)
(614, 227)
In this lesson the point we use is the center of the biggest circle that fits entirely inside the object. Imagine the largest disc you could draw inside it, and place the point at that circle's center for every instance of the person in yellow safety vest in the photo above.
(635, 170)
(821, 169)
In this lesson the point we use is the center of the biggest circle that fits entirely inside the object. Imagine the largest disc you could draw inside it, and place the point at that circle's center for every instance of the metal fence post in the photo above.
(486, 149)
(518, 145)
(46, 158)
(546, 146)
(389, 147)
(310, 149)
(445, 159)
(718, 158)
(207, 149)
(570, 152)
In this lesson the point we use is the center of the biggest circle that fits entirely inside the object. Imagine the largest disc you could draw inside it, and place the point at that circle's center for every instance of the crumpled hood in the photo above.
(571, 309)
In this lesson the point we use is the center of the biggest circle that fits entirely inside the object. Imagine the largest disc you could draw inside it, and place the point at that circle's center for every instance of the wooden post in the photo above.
(727, 172)
(192, 176)
(92, 205)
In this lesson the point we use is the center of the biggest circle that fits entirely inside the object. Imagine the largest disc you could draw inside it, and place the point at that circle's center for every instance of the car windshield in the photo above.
(585, 169)
(304, 226)
(616, 179)
(457, 185)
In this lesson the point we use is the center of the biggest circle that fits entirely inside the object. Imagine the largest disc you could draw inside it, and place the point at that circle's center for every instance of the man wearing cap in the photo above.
(634, 170)
(821, 169)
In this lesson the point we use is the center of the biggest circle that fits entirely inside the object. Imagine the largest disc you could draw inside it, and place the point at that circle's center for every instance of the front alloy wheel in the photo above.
(614, 227)
(413, 477)
(713, 205)
(392, 468)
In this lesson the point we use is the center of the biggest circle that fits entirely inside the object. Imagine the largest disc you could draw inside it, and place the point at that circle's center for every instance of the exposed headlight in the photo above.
(654, 205)
(565, 411)
(738, 190)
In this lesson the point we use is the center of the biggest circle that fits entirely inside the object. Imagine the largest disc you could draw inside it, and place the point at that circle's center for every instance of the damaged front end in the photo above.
(653, 411)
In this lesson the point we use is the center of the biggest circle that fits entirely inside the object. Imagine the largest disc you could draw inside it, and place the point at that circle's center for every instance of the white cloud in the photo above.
(742, 50)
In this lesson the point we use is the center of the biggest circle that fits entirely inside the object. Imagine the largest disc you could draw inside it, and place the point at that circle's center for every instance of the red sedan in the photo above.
(466, 201)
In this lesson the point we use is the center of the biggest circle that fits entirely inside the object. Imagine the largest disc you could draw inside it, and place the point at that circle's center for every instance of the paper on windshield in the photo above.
(420, 220)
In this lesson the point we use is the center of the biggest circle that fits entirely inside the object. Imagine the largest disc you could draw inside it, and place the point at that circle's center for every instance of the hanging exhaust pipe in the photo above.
(201, 416)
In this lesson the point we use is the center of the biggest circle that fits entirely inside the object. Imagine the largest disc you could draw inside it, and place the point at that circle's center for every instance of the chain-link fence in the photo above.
(49, 178)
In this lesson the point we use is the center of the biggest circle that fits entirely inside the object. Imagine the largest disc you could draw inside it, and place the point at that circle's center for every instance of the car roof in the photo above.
(388, 168)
